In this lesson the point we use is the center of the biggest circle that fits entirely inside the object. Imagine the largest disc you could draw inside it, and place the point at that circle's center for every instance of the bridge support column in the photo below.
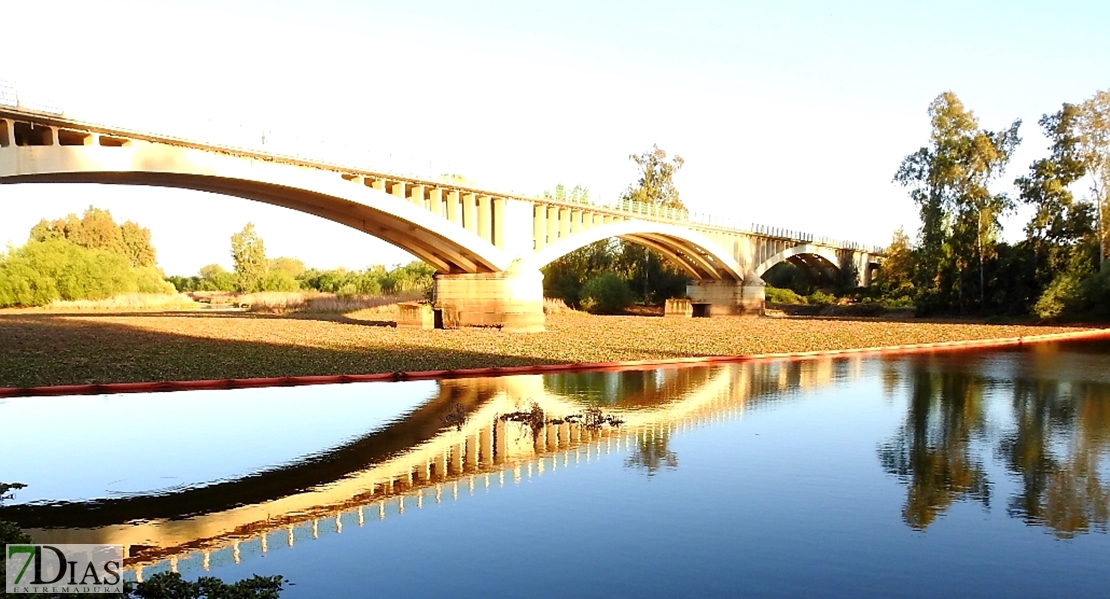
(511, 300)
(728, 297)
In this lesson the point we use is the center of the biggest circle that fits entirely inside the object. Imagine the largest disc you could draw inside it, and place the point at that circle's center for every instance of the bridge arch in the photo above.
(695, 253)
(827, 257)
(444, 245)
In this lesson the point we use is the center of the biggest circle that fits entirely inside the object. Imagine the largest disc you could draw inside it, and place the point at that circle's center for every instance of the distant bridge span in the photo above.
(487, 246)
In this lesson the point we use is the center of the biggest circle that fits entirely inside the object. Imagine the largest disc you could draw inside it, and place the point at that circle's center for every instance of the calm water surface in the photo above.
(982, 474)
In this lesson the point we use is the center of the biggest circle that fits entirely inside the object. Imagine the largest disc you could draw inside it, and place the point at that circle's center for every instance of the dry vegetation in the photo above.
(285, 302)
(45, 349)
(127, 301)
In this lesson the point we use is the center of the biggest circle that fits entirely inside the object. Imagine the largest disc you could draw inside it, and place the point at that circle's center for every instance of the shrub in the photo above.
(605, 294)
(279, 280)
(821, 298)
(1062, 297)
(777, 295)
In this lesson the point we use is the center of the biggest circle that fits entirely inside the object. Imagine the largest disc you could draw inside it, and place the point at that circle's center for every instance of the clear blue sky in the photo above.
(793, 114)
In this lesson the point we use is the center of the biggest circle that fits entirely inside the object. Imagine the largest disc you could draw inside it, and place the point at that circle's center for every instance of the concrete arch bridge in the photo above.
(486, 246)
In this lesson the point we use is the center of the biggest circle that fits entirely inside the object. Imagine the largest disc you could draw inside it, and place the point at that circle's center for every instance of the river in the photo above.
(971, 474)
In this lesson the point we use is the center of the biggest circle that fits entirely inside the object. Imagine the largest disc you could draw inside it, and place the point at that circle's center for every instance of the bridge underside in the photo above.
(442, 253)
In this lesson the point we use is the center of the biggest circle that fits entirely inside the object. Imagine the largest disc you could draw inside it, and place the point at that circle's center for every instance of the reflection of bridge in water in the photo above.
(421, 459)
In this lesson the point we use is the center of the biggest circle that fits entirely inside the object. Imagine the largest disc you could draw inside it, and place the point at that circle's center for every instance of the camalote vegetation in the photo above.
(87, 258)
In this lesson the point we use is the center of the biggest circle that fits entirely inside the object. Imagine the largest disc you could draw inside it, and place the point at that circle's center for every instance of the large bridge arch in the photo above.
(823, 254)
(444, 245)
(695, 253)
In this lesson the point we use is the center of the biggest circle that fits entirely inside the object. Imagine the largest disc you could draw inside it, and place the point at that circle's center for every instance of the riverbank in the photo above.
(41, 349)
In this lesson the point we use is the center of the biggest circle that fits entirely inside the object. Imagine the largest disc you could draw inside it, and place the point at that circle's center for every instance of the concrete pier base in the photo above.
(511, 300)
(728, 297)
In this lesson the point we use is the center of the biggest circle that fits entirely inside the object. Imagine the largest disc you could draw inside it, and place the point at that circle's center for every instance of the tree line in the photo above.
(958, 265)
(254, 272)
(73, 258)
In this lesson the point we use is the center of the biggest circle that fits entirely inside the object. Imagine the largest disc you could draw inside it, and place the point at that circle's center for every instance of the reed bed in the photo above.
(318, 303)
(128, 302)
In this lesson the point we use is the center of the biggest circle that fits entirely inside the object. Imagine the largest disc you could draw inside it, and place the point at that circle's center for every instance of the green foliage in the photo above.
(249, 256)
(294, 267)
(415, 276)
(896, 275)
(97, 230)
(212, 277)
(1093, 132)
(279, 280)
(821, 298)
(652, 278)
(777, 295)
(1064, 295)
(1051, 273)
(1072, 298)
(656, 182)
(170, 585)
(960, 216)
(41, 272)
(605, 294)
(786, 275)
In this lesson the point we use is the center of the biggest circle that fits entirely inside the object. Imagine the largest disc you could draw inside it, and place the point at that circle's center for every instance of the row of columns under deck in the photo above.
(553, 223)
(47, 135)
(481, 214)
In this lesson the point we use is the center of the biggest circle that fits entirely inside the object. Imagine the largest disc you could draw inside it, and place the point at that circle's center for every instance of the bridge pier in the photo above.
(511, 300)
(729, 297)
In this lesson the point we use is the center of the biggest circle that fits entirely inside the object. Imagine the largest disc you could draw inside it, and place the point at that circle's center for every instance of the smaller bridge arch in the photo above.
(695, 253)
(823, 253)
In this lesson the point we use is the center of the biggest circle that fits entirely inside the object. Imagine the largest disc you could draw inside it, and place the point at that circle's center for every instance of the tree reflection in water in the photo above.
(1056, 444)
(652, 454)
(931, 453)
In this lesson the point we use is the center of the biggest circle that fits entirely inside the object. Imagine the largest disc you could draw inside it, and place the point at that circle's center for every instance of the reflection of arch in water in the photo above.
(485, 447)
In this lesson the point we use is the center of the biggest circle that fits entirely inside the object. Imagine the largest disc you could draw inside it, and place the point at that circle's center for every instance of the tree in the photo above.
(895, 277)
(1060, 230)
(136, 244)
(96, 230)
(41, 272)
(1094, 143)
(294, 267)
(249, 256)
(605, 294)
(949, 180)
(656, 182)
